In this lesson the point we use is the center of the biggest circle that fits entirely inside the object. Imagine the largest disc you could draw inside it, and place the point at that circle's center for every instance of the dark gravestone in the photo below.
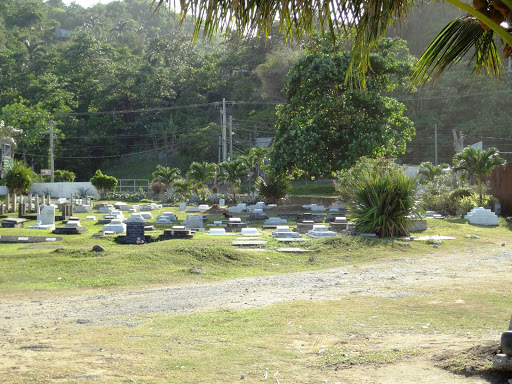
(134, 233)
(22, 211)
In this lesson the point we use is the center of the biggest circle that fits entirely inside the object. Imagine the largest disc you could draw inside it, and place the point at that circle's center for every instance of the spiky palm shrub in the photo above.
(19, 178)
(380, 197)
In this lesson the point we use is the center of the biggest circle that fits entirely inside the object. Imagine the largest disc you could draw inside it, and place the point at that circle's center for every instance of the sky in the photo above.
(87, 3)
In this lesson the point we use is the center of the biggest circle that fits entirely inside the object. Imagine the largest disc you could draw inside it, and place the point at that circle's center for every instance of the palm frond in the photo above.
(453, 43)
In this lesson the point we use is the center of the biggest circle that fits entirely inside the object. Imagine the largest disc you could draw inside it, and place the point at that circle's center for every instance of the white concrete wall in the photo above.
(64, 189)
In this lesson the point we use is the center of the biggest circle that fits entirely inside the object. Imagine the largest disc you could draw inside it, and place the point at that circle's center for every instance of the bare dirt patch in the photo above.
(51, 335)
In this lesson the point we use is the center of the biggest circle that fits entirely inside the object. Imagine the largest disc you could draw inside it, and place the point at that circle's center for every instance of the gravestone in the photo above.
(115, 226)
(45, 218)
(22, 210)
(195, 221)
(222, 202)
(30, 202)
(320, 231)
(250, 232)
(72, 227)
(8, 202)
(134, 233)
(284, 232)
(135, 218)
(183, 207)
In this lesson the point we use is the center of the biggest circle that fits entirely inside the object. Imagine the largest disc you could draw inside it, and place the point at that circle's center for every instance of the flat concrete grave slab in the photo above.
(28, 239)
(293, 250)
(249, 243)
(291, 240)
(437, 237)
(248, 238)
(14, 222)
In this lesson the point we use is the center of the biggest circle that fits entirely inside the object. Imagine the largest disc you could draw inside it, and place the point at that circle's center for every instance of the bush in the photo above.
(19, 178)
(103, 183)
(64, 176)
(380, 197)
(274, 189)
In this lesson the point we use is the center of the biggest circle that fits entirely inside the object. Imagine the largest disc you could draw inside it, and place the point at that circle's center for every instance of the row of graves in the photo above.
(132, 224)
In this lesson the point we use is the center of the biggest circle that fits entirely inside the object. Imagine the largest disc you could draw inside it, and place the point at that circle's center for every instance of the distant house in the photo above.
(62, 33)
(264, 142)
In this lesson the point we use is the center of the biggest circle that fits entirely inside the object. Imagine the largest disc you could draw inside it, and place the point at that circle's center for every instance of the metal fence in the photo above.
(132, 185)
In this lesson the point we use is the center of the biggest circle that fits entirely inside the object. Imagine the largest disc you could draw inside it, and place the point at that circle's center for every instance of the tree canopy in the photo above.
(326, 126)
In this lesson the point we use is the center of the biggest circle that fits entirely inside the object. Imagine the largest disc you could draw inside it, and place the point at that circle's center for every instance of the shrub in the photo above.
(103, 183)
(380, 197)
(64, 176)
(19, 178)
(275, 188)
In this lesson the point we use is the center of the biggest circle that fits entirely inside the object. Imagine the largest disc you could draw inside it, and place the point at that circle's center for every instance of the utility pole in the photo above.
(52, 166)
(220, 147)
(435, 143)
(230, 138)
(224, 141)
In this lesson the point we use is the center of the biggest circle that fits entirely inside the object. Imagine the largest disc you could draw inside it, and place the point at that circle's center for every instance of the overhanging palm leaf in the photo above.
(453, 43)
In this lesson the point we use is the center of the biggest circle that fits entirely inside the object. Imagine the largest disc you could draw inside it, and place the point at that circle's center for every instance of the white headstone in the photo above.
(183, 206)
(222, 202)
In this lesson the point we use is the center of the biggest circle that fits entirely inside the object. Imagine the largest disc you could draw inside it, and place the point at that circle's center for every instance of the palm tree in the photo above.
(368, 21)
(232, 172)
(183, 187)
(428, 172)
(201, 173)
(166, 175)
(258, 155)
(477, 163)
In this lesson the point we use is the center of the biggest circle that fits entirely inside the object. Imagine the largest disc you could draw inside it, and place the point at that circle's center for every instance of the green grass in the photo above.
(317, 188)
(74, 267)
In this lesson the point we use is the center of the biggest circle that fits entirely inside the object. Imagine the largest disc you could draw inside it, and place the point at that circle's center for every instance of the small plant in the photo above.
(82, 192)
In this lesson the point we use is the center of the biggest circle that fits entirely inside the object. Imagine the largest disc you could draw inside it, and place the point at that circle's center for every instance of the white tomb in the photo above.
(481, 216)
(106, 209)
(145, 215)
(183, 207)
(166, 218)
(222, 202)
(116, 226)
(117, 215)
(250, 232)
(320, 230)
(219, 232)
(122, 206)
(45, 218)
(136, 218)
(90, 218)
(82, 209)
(242, 207)
(284, 232)
(275, 221)
(235, 220)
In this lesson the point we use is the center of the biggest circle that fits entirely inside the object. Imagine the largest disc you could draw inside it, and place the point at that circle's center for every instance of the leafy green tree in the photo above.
(427, 172)
(326, 126)
(103, 183)
(63, 175)
(232, 172)
(201, 173)
(19, 178)
(474, 162)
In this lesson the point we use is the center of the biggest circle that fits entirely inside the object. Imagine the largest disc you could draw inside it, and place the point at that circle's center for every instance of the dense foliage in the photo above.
(326, 126)
(380, 197)
(86, 68)
(19, 178)
(103, 183)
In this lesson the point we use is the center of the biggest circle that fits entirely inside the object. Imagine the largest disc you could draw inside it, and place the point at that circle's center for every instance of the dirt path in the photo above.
(388, 278)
